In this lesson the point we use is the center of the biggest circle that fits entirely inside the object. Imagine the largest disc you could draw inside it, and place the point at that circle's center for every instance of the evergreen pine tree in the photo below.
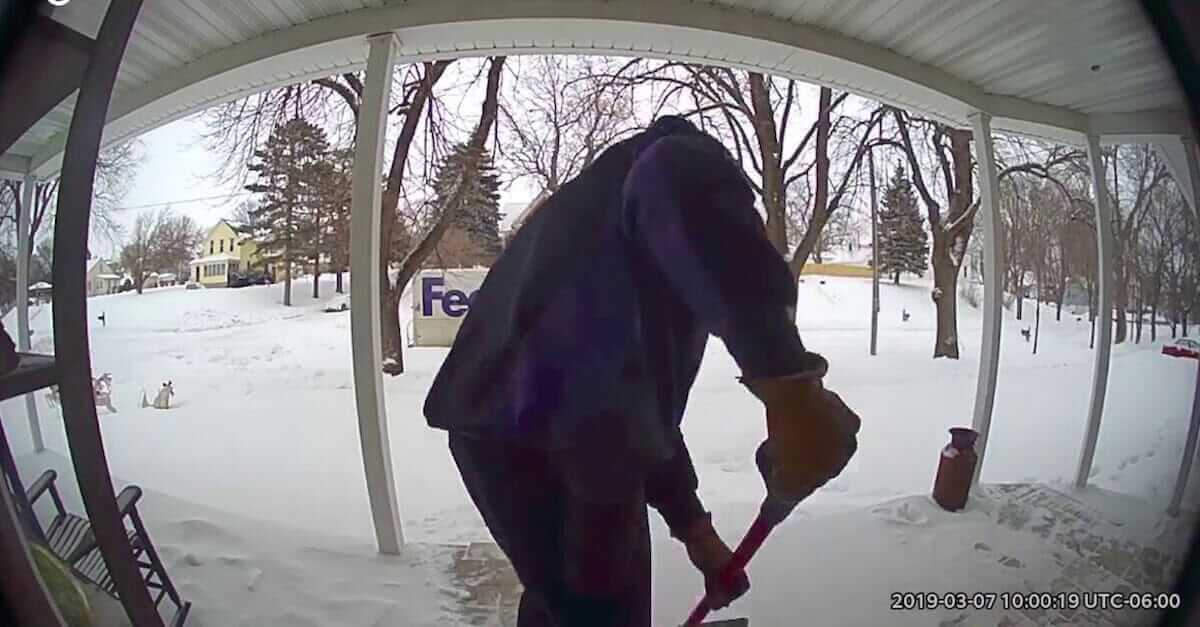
(288, 214)
(478, 217)
(903, 243)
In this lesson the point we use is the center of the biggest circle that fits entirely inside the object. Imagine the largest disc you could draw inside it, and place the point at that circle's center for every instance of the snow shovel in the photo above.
(772, 512)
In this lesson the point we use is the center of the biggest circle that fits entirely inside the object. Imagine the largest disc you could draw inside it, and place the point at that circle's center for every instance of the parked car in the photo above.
(192, 285)
(243, 279)
(1183, 347)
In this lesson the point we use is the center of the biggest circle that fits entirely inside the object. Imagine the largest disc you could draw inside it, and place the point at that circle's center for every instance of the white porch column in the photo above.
(1104, 313)
(27, 199)
(991, 231)
(1191, 191)
(365, 279)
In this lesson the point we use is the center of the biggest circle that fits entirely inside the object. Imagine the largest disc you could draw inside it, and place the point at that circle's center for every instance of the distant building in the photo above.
(101, 278)
(41, 292)
(524, 215)
(226, 249)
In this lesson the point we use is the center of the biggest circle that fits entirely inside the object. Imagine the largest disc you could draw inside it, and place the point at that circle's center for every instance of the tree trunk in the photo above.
(1138, 320)
(338, 285)
(1184, 320)
(1121, 305)
(767, 136)
(1020, 299)
(945, 279)
(1091, 294)
(393, 341)
(390, 293)
(1174, 327)
(416, 258)
(1060, 296)
(1154, 321)
(896, 278)
(317, 278)
(1037, 318)
(287, 283)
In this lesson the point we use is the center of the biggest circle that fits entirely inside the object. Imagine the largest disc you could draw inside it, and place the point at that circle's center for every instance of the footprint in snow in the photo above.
(904, 514)
(1011, 562)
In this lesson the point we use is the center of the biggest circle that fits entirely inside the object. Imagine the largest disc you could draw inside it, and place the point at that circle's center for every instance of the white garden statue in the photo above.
(163, 399)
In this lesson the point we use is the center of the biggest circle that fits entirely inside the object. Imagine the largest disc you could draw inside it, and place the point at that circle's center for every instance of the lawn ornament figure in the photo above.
(162, 400)
(102, 390)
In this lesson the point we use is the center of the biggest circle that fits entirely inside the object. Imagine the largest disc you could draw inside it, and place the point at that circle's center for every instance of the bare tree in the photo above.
(115, 170)
(557, 116)
(238, 128)
(1136, 172)
(469, 168)
(160, 240)
(756, 113)
(952, 220)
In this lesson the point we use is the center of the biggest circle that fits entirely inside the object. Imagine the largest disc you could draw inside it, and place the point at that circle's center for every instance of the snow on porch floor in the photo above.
(822, 567)
(1094, 541)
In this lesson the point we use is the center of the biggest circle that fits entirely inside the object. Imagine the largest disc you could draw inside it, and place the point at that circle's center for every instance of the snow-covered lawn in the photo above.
(264, 429)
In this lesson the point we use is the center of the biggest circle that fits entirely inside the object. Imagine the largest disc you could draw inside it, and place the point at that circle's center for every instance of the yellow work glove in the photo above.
(811, 433)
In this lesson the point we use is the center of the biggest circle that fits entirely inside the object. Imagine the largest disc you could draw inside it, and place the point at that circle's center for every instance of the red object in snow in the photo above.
(956, 466)
(1182, 347)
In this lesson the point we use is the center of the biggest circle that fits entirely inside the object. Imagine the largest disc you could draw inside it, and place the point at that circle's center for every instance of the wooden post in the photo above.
(991, 230)
(1104, 311)
(71, 347)
(365, 278)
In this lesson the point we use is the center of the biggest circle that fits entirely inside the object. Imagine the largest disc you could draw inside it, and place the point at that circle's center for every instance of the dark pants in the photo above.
(574, 528)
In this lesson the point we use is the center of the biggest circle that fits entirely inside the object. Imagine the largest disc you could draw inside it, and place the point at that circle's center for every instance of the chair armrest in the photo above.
(39, 487)
(128, 498)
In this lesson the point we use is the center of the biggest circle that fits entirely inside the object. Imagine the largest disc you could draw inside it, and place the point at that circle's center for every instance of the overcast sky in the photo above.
(177, 170)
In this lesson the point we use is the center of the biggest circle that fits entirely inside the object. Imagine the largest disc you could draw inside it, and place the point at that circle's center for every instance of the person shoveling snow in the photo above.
(565, 386)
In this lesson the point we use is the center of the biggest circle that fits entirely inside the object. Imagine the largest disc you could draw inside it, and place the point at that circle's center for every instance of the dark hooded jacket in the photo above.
(590, 327)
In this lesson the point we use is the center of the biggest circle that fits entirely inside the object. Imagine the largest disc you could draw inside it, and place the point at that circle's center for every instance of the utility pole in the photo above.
(874, 253)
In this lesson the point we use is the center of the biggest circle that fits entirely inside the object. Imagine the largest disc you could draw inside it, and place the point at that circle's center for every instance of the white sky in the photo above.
(176, 170)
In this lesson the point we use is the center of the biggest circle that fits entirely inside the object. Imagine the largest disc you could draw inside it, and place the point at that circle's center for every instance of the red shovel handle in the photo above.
(753, 539)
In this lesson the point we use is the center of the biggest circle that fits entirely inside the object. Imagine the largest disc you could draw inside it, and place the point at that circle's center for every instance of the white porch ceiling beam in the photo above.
(674, 28)
(1104, 311)
(1179, 153)
(14, 166)
(993, 264)
(365, 327)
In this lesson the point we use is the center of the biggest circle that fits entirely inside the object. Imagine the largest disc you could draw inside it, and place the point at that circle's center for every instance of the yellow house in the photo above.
(225, 250)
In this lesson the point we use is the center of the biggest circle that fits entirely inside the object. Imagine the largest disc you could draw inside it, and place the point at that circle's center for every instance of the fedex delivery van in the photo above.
(440, 301)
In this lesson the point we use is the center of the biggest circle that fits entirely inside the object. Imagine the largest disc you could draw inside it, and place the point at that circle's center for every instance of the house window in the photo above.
(222, 245)
(211, 246)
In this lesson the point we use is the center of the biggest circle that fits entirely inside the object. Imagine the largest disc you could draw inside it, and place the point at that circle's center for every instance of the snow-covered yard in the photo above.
(266, 522)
